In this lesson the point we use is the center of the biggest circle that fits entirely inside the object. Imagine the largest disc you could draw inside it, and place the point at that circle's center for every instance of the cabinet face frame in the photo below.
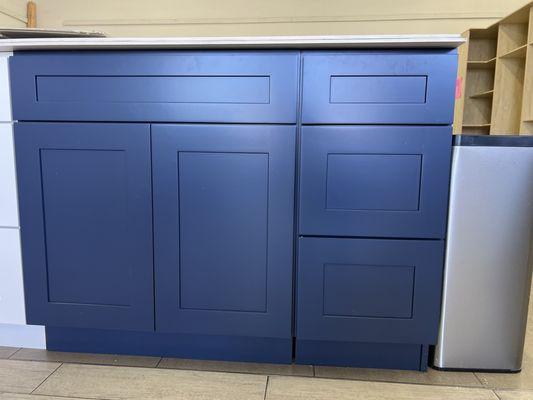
(178, 147)
(60, 174)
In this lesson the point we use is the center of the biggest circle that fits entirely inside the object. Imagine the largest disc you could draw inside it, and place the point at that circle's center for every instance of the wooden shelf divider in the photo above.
(483, 95)
(488, 64)
(476, 125)
(519, 52)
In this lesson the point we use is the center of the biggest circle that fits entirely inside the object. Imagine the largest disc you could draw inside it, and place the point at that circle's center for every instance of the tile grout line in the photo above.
(64, 397)
(266, 387)
(496, 394)
(45, 379)
(447, 385)
(12, 355)
(451, 385)
(480, 381)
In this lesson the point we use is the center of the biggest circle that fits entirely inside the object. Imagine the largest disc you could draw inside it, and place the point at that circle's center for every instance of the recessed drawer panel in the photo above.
(156, 86)
(394, 183)
(379, 87)
(369, 290)
(374, 291)
(374, 181)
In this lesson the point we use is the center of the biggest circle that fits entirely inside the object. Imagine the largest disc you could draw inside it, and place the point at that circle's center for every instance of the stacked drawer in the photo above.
(11, 290)
(374, 167)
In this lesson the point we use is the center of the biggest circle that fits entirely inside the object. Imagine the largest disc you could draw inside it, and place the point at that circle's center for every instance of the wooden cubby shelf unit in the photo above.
(495, 75)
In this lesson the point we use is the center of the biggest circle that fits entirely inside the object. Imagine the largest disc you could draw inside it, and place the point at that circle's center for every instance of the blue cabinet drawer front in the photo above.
(223, 224)
(378, 87)
(374, 181)
(155, 86)
(369, 290)
(86, 224)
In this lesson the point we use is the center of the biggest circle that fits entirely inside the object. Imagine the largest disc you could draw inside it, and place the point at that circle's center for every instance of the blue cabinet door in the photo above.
(369, 290)
(86, 224)
(374, 181)
(223, 226)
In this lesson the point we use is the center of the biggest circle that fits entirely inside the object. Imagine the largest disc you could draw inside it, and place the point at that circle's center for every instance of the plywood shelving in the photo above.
(495, 78)
(483, 95)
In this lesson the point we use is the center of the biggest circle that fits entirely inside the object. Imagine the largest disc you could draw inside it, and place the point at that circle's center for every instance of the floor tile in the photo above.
(23, 376)
(16, 396)
(431, 377)
(86, 358)
(292, 388)
(243, 367)
(522, 380)
(112, 382)
(6, 352)
(515, 394)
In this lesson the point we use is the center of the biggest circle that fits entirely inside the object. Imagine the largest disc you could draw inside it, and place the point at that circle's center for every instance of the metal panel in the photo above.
(489, 258)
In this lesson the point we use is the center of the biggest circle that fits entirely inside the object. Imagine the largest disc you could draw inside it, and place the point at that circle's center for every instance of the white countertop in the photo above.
(249, 42)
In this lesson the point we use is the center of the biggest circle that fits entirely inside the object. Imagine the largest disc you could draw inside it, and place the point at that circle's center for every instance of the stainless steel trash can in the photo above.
(489, 255)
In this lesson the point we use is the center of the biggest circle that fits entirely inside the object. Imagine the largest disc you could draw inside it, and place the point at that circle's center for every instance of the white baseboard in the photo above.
(29, 336)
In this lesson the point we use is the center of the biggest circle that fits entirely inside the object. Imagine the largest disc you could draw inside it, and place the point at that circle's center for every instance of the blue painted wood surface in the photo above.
(361, 355)
(223, 228)
(379, 87)
(155, 86)
(223, 201)
(395, 296)
(196, 346)
(86, 224)
(374, 181)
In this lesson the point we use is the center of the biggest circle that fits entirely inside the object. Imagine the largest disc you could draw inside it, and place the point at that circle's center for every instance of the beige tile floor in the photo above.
(27, 374)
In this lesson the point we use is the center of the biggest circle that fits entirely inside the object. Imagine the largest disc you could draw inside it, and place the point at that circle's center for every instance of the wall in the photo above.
(267, 17)
(12, 13)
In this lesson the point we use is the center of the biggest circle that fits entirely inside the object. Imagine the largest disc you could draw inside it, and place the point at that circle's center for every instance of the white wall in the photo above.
(13, 13)
(270, 17)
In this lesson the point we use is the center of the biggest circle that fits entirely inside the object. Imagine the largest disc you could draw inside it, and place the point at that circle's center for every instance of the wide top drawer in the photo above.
(255, 87)
(369, 87)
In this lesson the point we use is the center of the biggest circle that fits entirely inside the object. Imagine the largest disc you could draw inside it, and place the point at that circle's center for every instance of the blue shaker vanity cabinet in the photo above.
(86, 224)
(245, 205)
(223, 228)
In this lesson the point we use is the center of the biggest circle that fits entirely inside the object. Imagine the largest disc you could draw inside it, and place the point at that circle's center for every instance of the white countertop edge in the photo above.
(344, 41)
